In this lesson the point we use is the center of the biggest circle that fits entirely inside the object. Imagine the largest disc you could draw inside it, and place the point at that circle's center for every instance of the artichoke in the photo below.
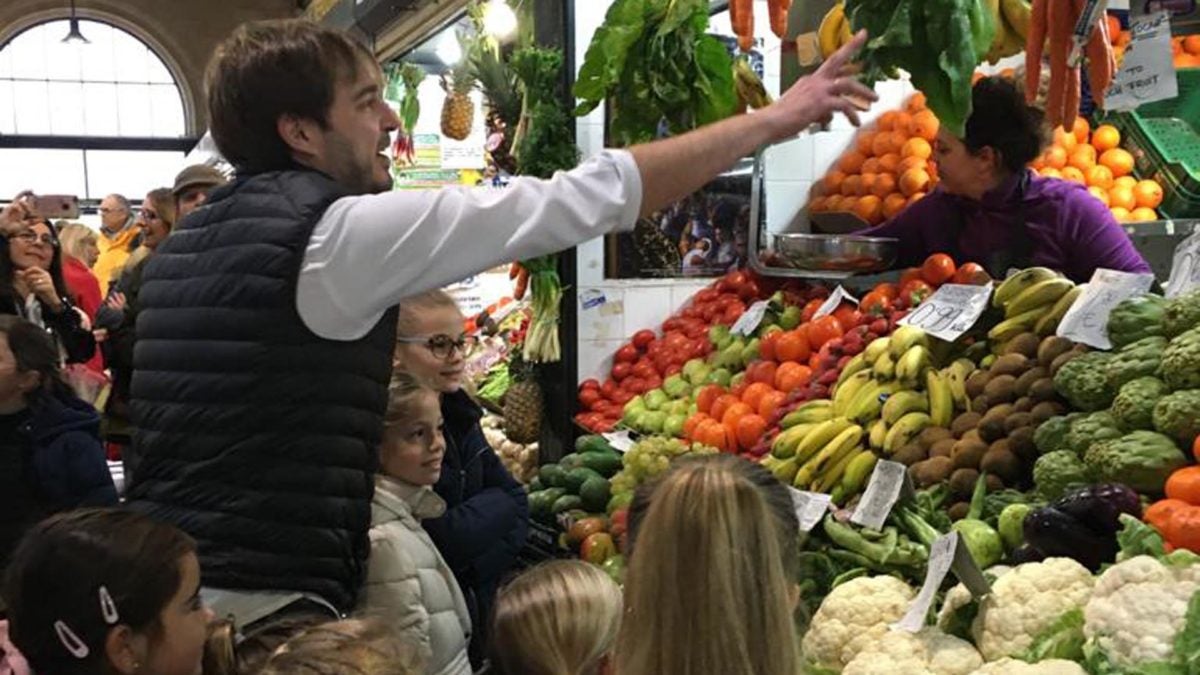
(1083, 382)
(1181, 361)
(1140, 359)
(1056, 471)
(1133, 407)
(1091, 429)
(1178, 416)
(1135, 319)
(1181, 314)
(1142, 460)
(1051, 435)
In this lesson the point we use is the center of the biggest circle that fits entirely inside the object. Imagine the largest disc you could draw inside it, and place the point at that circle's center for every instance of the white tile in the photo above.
(785, 200)
(646, 307)
(595, 358)
(792, 160)
(601, 313)
(683, 290)
(827, 147)
(589, 263)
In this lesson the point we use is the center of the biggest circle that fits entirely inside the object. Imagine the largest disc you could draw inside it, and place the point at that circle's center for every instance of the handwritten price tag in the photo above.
(1185, 270)
(810, 507)
(1087, 320)
(619, 440)
(749, 320)
(834, 301)
(941, 557)
(1147, 72)
(951, 311)
(889, 482)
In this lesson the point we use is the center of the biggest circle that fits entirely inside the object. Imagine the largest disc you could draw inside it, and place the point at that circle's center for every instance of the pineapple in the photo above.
(458, 112)
(522, 404)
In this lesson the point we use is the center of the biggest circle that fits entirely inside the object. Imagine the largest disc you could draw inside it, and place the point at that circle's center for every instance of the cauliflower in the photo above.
(1137, 608)
(1025, 601)
(854, 615)
(929, 652)
(1015, 667)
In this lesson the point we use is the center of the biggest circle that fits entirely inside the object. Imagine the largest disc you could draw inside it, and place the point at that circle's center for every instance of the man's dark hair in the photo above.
(266, 69)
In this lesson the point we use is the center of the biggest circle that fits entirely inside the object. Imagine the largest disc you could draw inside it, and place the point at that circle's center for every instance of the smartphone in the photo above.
(55, 207)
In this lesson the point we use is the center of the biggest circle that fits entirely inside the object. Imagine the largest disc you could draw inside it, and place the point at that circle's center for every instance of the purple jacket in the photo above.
(1070, 230)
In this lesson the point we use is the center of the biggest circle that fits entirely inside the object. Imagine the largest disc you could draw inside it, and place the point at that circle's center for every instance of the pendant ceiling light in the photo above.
(74, 37)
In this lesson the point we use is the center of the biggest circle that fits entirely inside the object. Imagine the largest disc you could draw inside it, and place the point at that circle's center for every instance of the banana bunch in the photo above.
(829, 457)
(834, 30)
(1034, 299)
(956, 375)
(750, 89)
(1012, 27)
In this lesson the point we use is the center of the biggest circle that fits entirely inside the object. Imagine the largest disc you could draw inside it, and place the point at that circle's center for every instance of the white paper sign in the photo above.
(1147, 72)
(749, 320)
(619, 440)
(888, 481)
(951, 311)
(1185, 270)
(1087, 320)
(941, 557)
(1084, 25)
(834, 301)
(810, 507)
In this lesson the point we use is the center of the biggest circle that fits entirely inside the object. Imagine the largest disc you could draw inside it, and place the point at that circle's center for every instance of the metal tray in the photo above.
(837, 252)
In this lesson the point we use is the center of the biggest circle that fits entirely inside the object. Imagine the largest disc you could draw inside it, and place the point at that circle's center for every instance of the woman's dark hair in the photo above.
(266, 69)
(66, 564)
(1001, 119)
(35, 350)
(7, 293)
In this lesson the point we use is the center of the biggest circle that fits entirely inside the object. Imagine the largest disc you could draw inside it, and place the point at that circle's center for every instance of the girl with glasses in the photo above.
(32, 284)
(486, 518)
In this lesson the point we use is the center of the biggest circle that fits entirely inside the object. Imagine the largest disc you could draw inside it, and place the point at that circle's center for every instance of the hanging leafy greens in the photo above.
(653, 62)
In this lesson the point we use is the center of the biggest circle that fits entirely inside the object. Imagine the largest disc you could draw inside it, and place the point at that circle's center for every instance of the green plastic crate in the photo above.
(1164, 136)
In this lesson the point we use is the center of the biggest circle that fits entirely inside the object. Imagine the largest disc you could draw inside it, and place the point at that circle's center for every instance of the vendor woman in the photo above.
(989, 208)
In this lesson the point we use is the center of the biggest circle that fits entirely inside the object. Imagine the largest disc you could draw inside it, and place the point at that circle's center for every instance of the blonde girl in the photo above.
(408, 582)
(351, 647)
(560, 618)
(712, 579)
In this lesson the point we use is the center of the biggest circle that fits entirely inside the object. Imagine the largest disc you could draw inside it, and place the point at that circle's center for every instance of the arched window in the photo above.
(87, 119)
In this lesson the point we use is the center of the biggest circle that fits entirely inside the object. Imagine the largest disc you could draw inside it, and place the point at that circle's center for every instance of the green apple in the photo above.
(720, 336)
(679, 407)
(691, 367)
(673, 426)
(637, 419)
(749, 352)
(692, 409)
(656, 399)
(736, 380)
(767, 330)
(719, 376)
(731, 355)
(676, 386)
(790, 318)
(653, 421)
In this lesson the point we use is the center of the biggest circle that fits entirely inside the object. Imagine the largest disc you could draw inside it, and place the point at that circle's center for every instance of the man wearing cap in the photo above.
(192, 186)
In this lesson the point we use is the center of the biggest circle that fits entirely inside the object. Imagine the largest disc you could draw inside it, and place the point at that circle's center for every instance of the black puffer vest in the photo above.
(258, 438)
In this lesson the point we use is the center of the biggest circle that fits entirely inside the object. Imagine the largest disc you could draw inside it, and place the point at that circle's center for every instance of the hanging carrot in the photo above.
(778, 18)
(513, 270)
(1102, 62)
(522, 284)
(1035, 43)
(745, 29)
(1060, 26)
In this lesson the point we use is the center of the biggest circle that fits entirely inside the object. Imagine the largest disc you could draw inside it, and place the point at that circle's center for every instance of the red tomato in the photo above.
(810, 309)
(609, 388)
(972, 274)
(590, 383)
(627, 353)
(621, 370)
(644, 368)
(761, 371)
(707, 396)
(673, 323)
(876, 304)
(587, 420)
(588, 398)
(915, 291)
(750, 428)
(823, 330)
(732, 311)
(622, 396)
(910, 274)
(848, 315)
(889, 291)
(636, 385)
(793, 345)
(938, 269)
(673, 369)
(643, 338)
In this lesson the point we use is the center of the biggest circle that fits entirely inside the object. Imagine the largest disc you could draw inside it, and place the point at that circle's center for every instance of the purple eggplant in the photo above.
(1058, 534)
(1025, 554)
(1099, 507)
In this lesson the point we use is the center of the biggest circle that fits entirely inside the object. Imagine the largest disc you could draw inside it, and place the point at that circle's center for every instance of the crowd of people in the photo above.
(307, 485)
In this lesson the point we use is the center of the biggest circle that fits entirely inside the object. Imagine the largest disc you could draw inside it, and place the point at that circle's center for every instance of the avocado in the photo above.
(606, 463)
(541, 503)
(577, 477)
(566, 503)
(595, 494)
(553, 475)
(592, 443)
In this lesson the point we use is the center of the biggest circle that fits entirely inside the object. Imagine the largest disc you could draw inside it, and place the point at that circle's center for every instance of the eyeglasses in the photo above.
(442, 346)
(30, 238)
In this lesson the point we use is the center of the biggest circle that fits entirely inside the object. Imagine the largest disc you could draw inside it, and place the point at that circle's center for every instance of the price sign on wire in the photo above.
(951, 311)
(889, 482)
(1087, 320)
(948, 553)
(1185, 269)
(1147, 71)
(749, 320)
(619, 440)
(810, 507)
(834, 301)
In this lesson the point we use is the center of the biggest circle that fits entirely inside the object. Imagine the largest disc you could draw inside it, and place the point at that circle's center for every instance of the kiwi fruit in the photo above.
(1025, 344)
(1001, 389)
(1009, 364)
(1047, 409)
(932, 435)
(991, 428)
(1002, 461)
(976, 382)
(1024, 404)
(959, 511)
(967, 454)
(980, 402)
(962, 482)
(1051, 348)
(1026, 379)
(1043, 390)
(1061, 360)
(1017, 420)
(910, 454)
(943, 448)
(964, 423)
(993, 482)
(931, 471)
(1020, 441)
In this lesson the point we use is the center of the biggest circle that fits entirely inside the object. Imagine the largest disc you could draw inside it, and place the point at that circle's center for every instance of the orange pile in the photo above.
(1185, 49)
(886, 168)
(1096, 160)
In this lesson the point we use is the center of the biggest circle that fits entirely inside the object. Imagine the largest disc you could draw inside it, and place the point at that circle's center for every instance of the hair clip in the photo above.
(108, 608)
(78, 648)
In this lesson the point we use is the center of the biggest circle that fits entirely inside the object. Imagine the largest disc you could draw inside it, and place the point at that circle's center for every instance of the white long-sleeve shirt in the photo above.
(368, 252)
